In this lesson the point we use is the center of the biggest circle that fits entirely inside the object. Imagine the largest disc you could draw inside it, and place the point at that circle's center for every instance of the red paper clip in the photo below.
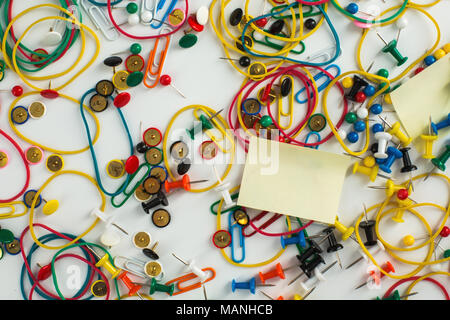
(188, 277)
(266, 224)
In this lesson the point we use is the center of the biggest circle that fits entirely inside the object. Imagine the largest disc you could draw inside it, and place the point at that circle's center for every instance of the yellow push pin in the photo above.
(369, 161)
(105, 263)
(372, 172)
(395, 131)
(446, 48)
(408, 240)
(50, 207)
(346, 232)
(429, 140)
(387, 98)
(403, 204)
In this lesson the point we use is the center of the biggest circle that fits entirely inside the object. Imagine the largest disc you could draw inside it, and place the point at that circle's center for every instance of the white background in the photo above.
(205, 80)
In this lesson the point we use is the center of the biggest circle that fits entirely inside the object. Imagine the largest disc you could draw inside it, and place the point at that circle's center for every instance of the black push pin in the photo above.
(407, 165)
(160, 199)
(358, 84)
(150, 252)
(113, 62)
(276, 27)
(141, 147)
(313, 249)
(333, 245)
(184, 166)
(308, 267)
(368, 227)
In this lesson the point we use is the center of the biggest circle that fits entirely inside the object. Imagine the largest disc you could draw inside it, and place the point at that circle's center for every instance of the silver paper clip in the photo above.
(100, 20)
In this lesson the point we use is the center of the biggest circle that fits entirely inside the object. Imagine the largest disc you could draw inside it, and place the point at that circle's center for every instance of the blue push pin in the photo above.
(352, 8)
(379, 161)
(429, 60)
(353, 137)
(441, 125)
(359, 126)
(377, 127)
(250, 285)
(393, 154)
(376, 108)
(369, 90)
(294, 239)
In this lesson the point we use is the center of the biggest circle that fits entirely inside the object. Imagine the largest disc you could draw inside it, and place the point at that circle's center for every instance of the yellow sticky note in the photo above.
(287, 179)
(424, 95)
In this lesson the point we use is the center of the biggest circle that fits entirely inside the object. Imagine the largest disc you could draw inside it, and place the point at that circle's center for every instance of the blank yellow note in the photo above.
(426, 94)
(293, 180)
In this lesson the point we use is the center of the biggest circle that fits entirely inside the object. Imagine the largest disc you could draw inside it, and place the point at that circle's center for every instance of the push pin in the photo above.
(396, 296)
(223, 189)
(396, 132)
(333, 245)
(346, 232)
(3, 159)
(166, 80)
(108, 220)
(372, 172)
(369, 227)
(372, 250)
(387, 267)
(53, 37)
(407, 165)
(244, 61)
(275, 272)
(429, 140)
(150, 252)
(50, 206)
(105, 263)
(184, 183)
(204, 124)
(158, 287)
(249, 285)
(271, 298)
(393, 154)
(135, 48)
(160, 199)
(358, 84)
(16, 91)
(391, 188)
(440, 125)
(401, 24)
(308, 267)
(298, 238)
(193, 267)
(132, 20)
(440, 161)
(189, 39)
(391, 48)
(299, 297)
(382, 139)
(403, 203)
(319, 275)
(132, 287)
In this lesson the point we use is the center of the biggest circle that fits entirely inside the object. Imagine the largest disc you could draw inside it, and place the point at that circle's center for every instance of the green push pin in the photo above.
(135, 48)
(385, 74)
(154, 286)
(391, 48)
(132, 8)
(134, 78)
(351, 117)
(188, 40)
(396, 296)
(266, 121)
(440, 161)
(6, 236)
(446, 253)
(204, 124)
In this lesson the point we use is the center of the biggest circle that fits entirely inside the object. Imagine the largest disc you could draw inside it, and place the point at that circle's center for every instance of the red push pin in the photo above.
(44, 272)
(276, 272)
(122, 99)
(445, 232)
(17, 91)
(166, 80)
(132, 164)
(402, 194)
(132, 287)
(261, 22)
(387, 267)
(184, 183)
(360, 97)
(418, 70)
(49, 94)
(192, 20)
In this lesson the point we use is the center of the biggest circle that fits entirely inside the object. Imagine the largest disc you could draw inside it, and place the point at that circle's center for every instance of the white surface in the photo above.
(204, 79)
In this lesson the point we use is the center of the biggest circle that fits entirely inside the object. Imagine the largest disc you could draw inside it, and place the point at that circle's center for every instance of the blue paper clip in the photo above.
(316, 78)
(232, 226)
(169, 10)
(318, 139)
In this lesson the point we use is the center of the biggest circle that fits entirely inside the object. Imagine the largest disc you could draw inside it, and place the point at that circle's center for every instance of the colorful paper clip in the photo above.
(188, 277)
(12, 212)
(151, 63)
(166, 14)
(265, 225)
(318, 139)
(232, 226)
(316, 78)
(100, 20)
(127, 193)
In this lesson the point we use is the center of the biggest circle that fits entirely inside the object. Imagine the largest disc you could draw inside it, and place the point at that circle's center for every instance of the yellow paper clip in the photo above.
(12, 212)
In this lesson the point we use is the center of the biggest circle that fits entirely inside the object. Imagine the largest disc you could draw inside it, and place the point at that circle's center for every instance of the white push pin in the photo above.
(202, 15)
(309, 284)
(193, 267)
(53, 37)
(372, 250)
(401, 24)
(107, 219)
(382, 140)
(133, 20)
(110, 237)
(362, 112)
(223, 189)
